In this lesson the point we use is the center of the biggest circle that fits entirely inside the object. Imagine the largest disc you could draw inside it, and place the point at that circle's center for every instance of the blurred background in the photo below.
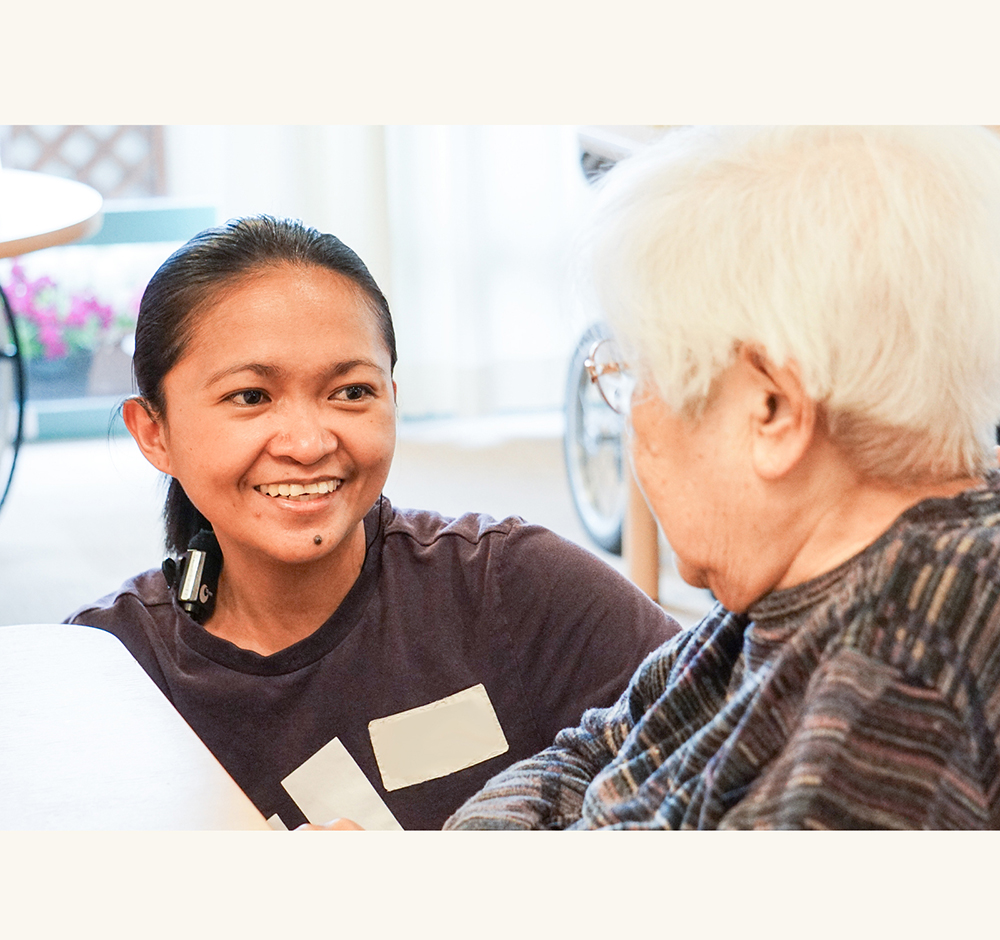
(467, 229)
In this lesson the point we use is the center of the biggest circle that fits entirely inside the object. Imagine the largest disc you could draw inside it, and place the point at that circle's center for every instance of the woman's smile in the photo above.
(302, 499)
(303, 492)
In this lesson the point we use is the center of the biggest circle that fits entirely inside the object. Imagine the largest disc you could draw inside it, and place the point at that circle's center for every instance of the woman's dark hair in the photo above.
(191, 277)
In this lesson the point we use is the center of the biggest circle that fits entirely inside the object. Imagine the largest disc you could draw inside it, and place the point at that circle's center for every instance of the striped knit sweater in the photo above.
(866, 698)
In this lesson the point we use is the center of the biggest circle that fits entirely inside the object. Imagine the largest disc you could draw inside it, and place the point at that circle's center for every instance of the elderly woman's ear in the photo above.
(783, 418)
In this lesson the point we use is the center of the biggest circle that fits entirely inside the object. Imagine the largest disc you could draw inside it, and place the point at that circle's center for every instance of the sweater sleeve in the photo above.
(547, 791)
(870, 750)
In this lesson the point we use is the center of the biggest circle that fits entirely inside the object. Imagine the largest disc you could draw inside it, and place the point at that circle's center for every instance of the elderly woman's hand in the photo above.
(332, 824)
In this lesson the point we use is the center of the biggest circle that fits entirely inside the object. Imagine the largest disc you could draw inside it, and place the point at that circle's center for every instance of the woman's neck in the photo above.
(266, 605)
(861, 513)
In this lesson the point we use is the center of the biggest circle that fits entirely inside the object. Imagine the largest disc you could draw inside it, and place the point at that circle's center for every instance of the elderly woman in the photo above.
(812, 319)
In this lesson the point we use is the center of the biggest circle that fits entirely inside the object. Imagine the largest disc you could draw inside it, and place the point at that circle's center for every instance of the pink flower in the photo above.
(62, 322)
(23, 293)
(79, 310)
(52, 342)
(19, 301)
(104, 313)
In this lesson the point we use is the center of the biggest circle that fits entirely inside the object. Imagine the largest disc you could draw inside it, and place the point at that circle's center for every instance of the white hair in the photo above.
(868, 256)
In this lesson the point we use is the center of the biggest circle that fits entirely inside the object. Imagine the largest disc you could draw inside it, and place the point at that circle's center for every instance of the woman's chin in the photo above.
(690, 574)
(298, 549)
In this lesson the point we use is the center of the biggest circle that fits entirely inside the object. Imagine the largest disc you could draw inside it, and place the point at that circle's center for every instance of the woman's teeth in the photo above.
(294, 490)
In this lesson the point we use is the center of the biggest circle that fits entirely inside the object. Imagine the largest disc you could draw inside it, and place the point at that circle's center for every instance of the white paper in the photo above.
(330, 785)
(275, 823)
(437, 739)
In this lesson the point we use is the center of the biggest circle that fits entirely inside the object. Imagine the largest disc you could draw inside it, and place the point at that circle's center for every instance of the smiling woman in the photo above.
(340, 657)
(279, 421)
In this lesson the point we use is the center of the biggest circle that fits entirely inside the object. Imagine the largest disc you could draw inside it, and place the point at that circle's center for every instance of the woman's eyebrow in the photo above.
(257, 368)
(341, 368)
(270, 372)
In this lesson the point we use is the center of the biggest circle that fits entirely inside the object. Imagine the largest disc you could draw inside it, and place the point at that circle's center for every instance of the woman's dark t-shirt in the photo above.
(441, 606)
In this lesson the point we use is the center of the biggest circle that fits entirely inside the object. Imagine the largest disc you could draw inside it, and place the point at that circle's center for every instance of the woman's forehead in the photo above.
(284, 308)
(285, 277)
(280, 291)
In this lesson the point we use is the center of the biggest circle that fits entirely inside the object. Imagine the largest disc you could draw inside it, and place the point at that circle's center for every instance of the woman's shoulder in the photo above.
(944, 536)
(148, 591)
(521, 548)
(425, 526)
(925, 598)
(139, 613)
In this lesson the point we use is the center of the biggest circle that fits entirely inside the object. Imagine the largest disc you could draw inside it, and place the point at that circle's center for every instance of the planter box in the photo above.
(66, 377)
(106, 371)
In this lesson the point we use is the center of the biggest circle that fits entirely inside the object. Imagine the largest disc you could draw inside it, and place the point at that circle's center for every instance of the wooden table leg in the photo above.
(641, 547)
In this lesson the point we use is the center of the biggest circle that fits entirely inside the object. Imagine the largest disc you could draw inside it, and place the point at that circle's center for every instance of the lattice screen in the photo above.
(119, 161)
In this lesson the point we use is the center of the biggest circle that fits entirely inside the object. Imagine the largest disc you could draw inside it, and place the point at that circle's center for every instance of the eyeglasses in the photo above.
(611, 375)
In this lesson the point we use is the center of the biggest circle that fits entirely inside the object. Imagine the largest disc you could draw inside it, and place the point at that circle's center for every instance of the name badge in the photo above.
(330, 784)
(437, 739)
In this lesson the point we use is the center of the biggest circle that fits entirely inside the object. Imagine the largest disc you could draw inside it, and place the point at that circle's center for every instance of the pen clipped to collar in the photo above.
(195, 578)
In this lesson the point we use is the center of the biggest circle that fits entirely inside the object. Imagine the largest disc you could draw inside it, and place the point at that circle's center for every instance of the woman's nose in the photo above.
(303, 436)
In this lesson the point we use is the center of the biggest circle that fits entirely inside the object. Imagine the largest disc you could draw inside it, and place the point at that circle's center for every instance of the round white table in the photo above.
(36, 211)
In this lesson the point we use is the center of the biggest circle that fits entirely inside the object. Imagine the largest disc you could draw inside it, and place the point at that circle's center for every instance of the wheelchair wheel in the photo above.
(594, 452)
(13, 393)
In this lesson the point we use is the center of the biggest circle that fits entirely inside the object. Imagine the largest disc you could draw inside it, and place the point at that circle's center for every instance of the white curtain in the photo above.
(481, 220)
